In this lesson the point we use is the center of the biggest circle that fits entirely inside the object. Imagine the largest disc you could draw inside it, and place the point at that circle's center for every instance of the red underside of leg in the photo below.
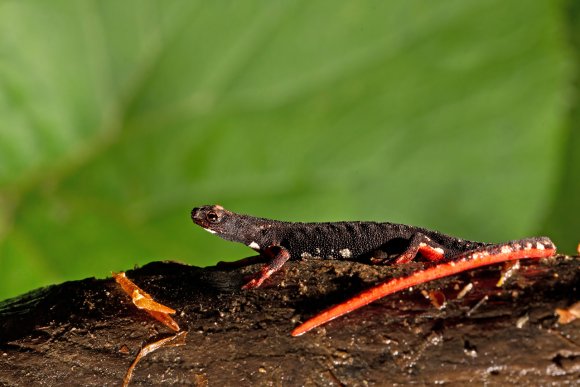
(431, 253)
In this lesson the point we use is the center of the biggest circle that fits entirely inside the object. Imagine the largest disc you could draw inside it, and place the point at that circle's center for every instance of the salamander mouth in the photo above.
(198, 218)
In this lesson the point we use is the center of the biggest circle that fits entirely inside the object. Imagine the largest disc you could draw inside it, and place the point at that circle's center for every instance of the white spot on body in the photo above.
(345, 253)
(540, 246)
(480, 255)
(210, 231)
(306, 255)
(506, 249)
(254, 246)
(439, 250)
(317, 250)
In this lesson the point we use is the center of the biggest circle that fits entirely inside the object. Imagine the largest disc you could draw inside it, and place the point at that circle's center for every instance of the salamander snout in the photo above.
(195, 213)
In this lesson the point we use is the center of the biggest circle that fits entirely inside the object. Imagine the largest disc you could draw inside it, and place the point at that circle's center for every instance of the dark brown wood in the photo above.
(88, 332)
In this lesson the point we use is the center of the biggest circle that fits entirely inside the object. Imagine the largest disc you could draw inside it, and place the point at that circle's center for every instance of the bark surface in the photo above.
(88, 332)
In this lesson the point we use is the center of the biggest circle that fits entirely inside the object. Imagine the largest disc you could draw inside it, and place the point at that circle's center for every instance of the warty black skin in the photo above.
(331, 240)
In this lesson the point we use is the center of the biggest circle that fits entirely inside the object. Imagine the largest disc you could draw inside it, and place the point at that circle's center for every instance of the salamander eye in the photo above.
(212, 217)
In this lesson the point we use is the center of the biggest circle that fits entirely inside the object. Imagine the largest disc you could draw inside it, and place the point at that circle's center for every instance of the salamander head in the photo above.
(212, 218)
(224, 223)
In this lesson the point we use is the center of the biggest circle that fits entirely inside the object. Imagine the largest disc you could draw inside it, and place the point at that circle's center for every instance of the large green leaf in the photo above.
(118, 117)
(563, 220)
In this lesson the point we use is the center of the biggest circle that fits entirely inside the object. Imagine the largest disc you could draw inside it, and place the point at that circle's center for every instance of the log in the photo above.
(88, 332)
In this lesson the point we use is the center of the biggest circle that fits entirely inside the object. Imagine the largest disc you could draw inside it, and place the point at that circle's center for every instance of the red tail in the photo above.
(520, 249)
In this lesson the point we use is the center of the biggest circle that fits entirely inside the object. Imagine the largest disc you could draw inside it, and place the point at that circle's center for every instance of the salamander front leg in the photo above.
(278, 256)
(241, 262)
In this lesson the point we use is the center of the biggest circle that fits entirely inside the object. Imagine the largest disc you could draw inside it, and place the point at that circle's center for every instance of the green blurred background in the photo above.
(117, 117)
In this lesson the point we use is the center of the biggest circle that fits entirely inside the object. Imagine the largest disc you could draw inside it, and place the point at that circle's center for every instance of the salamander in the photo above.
(374, 242)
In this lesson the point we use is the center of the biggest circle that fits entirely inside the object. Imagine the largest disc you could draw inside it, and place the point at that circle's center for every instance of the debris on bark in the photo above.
(88, 332)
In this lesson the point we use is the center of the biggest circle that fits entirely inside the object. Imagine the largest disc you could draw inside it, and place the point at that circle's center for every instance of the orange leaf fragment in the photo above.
(144, 301)
(566, 316)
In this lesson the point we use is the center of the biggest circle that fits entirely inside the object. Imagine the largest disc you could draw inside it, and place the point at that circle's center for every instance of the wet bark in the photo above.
(88, 332)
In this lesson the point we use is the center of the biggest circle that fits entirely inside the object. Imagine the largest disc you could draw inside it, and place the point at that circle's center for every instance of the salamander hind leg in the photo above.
(422, 244)
(278, 256)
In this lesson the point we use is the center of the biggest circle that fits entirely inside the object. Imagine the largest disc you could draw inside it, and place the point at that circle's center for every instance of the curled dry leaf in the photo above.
(144, 301)
(173, 341)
